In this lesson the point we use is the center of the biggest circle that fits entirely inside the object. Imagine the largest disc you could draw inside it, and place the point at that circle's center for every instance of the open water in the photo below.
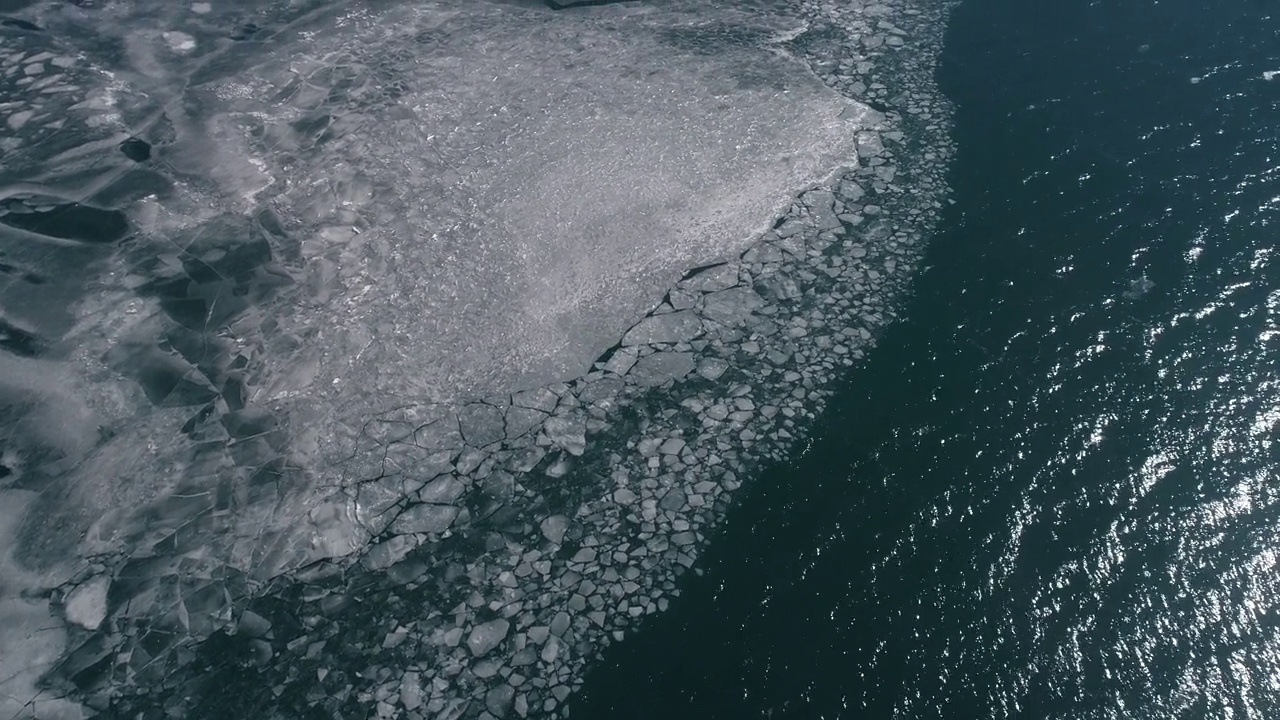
(1053, 492)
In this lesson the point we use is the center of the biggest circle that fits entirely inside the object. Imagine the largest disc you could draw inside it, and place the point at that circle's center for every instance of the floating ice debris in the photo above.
(19, 119)
(554, 528)
(487, 636)
(1270, 74)
(1138, 287)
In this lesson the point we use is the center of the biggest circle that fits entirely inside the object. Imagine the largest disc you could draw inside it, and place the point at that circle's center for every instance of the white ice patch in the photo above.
(179, 42)
(86, 606)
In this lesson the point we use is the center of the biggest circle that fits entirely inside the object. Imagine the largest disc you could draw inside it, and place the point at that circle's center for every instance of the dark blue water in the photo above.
(1054, 491)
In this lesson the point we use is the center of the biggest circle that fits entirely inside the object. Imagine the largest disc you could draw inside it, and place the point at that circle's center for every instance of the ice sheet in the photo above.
(345, 208)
